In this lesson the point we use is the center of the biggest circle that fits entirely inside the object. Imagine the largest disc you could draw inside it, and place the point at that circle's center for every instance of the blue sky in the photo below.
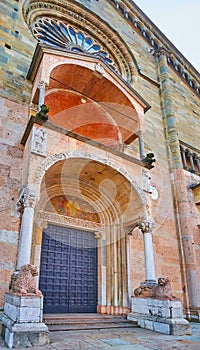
(179, 21)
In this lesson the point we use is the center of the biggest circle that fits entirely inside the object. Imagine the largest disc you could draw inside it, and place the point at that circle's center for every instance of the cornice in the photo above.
(157, 40)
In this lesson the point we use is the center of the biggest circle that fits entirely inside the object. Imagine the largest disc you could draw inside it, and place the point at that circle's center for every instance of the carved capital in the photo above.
(146, 226)
(98, 234)
(42, 84)
(139, 133)
(27, 198)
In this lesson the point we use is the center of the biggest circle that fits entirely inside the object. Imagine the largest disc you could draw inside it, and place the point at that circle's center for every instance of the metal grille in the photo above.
(68, 270)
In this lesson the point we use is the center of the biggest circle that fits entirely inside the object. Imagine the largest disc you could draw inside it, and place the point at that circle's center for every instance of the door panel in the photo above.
(68, 270)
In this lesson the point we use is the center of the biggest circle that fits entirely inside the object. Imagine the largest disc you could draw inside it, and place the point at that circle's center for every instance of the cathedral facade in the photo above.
(100, 155)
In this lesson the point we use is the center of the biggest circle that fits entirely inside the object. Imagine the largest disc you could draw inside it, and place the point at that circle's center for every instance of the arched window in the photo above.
(59, 34)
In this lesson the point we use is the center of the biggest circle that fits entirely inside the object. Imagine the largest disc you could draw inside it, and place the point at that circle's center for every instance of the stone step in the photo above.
(85, 322)
(86, 326)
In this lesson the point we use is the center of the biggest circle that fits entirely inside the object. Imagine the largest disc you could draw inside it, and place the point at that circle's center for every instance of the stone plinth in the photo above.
(22, 324)
(164, 316)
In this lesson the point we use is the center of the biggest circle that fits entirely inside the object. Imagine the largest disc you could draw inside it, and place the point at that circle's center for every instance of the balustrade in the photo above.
(190, 158)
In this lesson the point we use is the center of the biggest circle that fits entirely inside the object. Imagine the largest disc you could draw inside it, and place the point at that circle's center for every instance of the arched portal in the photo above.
(85, 206)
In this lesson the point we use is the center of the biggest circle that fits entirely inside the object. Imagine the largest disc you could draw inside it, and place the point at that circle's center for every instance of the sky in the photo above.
(179, 21)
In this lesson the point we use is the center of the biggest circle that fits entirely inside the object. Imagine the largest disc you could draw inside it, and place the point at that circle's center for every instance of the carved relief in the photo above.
(43, 217)
(39, 141)
(23, 282)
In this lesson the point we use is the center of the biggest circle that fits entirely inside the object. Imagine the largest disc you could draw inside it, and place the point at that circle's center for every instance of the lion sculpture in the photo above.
(162, 290)
(23, 282)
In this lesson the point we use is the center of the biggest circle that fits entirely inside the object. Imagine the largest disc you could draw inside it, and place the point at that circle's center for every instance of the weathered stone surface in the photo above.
(164, 316)
(22, 322)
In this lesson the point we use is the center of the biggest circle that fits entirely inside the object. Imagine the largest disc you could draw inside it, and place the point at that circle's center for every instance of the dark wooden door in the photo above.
(68, 270)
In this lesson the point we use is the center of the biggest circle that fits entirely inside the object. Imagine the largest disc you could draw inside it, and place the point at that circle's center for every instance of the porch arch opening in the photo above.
(99, 203)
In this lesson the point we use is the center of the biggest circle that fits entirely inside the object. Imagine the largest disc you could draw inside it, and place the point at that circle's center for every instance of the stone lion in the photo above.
(143, 292)
(23, 282)
(162, 290)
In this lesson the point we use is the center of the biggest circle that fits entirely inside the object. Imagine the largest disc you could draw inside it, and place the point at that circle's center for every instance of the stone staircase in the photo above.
(70, 322)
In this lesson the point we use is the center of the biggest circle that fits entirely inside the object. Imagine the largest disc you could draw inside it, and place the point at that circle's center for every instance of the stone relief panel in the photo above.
(39, 141)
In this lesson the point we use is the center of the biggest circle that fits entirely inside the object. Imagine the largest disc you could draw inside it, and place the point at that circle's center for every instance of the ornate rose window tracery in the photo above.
(60, 35)
(67, 25)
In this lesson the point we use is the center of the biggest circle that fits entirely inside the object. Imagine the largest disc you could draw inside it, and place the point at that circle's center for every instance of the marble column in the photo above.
(141, 144)
(183, 157)
(28, 200)
(42, 86)
(146, 228)
(198, 163)
(190, 154)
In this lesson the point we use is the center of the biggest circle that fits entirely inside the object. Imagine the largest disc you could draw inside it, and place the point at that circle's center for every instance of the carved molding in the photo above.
(51, 160)
(43, 218)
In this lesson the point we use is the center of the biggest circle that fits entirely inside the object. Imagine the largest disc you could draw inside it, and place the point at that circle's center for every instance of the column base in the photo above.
(113, 310)
(149, 283)
(193, 314)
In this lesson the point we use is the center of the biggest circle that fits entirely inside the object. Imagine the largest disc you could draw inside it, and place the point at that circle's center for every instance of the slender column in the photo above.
(108, 270)
(146, 228)
(190, 154)
(115, 267)
(141, 144)
(198, 163)
(42, 86)
(28, 201)
(183, 157)
(128, 269)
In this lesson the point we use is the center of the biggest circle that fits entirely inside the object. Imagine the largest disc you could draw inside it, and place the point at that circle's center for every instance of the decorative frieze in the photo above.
(43, 218)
